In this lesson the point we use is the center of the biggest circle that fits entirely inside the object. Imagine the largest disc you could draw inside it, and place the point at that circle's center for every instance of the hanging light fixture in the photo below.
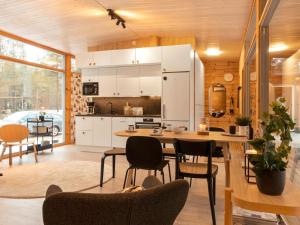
(113, 16)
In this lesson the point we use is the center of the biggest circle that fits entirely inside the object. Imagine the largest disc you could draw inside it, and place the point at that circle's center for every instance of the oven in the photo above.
(90, 88)
(147, 123)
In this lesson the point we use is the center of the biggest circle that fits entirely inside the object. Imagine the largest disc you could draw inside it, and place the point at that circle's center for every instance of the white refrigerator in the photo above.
(176, 99)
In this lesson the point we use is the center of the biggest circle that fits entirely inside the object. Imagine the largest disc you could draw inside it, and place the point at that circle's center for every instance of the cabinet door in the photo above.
(103, 58)
(84, 137)
(176, 58)
(148, 55)
(107, 82)
(123, 57)
(84, 60)
(128, 81)
(83, 123)
(89, 75)
(120, 123)
(102, 131)
(175, 96)
(150, 86)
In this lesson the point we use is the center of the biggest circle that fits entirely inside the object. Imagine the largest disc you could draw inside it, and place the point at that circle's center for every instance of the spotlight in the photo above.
(114, 16)
(118, 22)
(123, 25)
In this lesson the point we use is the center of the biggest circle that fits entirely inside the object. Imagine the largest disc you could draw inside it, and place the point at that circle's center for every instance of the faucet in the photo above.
(110, 103)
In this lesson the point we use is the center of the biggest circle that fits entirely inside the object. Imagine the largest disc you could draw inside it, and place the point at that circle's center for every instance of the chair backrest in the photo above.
(13, 133)
(195, 148)
(143, 152)
(216, 129)
(159, 205)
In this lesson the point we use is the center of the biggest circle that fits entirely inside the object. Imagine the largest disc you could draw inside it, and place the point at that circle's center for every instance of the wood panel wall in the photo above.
(214, 73)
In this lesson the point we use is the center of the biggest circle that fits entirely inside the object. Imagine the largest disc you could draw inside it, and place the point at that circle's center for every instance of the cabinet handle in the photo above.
(141, 92)
(137, 61)
(90, 64)
(94, 63)
(164, 111)
(101, 118)
(83, 132)
(132, 61)
(114, 93)
(164, 69)
(118, 93)
(83, 118)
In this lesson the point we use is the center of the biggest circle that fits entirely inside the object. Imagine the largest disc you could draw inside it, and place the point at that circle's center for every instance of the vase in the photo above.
(244, 130)
(271, 182)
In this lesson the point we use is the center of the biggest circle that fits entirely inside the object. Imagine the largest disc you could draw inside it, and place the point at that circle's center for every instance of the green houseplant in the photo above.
(243, 122)
(272, 158)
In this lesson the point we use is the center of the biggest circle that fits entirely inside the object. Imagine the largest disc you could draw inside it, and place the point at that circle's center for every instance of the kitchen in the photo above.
(145, 87)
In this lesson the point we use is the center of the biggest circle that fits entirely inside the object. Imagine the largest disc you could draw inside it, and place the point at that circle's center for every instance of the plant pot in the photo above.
(271, 182)
(41, 118)
(244, 130)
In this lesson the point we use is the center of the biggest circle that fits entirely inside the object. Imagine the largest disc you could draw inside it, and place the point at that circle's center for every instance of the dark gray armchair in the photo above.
(157, 205)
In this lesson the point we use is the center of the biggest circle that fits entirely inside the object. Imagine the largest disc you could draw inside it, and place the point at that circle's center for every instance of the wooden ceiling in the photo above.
(73, 25)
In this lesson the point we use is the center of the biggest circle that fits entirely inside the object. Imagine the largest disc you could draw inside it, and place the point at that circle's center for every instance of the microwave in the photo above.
(90, 88)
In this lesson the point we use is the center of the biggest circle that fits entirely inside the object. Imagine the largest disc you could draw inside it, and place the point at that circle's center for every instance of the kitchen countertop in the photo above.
(117, 115)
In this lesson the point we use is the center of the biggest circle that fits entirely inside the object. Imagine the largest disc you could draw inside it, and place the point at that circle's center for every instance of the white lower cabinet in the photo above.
(120, 123)
(102, 131)
(93, 131)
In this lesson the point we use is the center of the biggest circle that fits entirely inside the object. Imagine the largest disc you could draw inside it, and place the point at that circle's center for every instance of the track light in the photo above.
(114, 16)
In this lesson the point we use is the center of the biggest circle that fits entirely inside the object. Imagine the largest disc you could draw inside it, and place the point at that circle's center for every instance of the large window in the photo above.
(31, 86)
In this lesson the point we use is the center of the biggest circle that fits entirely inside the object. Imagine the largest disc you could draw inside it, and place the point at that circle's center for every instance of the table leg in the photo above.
(10, 155)
(226, 153)
(228, 207)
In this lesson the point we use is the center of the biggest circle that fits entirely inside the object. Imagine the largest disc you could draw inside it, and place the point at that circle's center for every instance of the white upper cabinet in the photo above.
(176, 58)
(123, 57)
(128, 81)
(148, 55)
(107, 82)
(103, 58)
(85, 60)
(150, 86)
(89, 75)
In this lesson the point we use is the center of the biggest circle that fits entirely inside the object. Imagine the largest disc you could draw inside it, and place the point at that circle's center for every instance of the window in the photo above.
(17, 49)
(27, 90)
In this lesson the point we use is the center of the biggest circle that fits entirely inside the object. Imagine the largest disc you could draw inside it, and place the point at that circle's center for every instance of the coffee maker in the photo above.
(91, 107)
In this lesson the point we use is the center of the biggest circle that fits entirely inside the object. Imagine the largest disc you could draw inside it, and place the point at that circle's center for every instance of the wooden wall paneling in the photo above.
(68, 75)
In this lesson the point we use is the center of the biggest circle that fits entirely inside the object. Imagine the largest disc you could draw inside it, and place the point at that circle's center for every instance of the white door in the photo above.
(128, 81)
(123, 57)
(89, 75)
(102, 131)
(103, 58)
(176, 58)
(120, 123)
(150, 86)
(175, 96)
(84, 60)
(150, 55)
(107, 82)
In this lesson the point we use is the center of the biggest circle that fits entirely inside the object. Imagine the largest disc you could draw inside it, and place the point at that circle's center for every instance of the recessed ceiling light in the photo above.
(278, 47)
(213, 51)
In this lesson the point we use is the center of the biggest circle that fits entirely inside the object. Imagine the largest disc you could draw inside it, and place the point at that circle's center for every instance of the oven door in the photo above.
(145, 125)
(90, 88)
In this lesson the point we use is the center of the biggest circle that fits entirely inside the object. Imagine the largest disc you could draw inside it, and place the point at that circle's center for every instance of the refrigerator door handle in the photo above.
(164, 111)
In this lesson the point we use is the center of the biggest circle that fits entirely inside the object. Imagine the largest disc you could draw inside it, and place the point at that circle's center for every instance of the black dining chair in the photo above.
(145, 153)
(206, 171)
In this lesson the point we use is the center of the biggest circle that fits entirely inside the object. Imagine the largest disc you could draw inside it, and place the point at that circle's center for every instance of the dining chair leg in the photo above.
(155, 172)
(214, 189)
(191, 182)
(169, 168)
(211, 200)
(126, 174)
(20, 150)
(113, 166)
(102, 171)
(163, 176)
(3, 151)
(134, 179)
(35, 152)
(10, 155)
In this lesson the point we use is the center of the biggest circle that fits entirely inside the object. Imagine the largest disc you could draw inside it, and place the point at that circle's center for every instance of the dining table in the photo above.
(222, 138)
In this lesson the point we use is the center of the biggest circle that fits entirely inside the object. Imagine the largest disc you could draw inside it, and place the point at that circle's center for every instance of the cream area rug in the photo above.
(32, 180)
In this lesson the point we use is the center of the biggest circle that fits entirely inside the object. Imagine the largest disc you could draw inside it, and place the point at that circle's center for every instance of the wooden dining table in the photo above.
(221, 138)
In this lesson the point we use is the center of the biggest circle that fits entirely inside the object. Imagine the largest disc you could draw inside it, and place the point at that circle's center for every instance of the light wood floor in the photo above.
(29, 211)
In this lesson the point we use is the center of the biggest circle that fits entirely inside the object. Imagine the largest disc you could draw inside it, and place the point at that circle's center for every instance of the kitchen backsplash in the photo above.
(151, 105)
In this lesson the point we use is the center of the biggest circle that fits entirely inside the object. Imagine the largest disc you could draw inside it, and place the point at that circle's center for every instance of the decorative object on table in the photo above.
(157, 131)
(217, 100)
(179, 130)
(130, 128)
(243, 123)
(168, 127)
(232, 129)
(42, 114)
(203, 127)
(270, 163)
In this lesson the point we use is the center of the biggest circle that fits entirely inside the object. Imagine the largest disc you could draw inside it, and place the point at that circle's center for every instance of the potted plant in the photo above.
(42, 116)
(243, 123)
(271, 160)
